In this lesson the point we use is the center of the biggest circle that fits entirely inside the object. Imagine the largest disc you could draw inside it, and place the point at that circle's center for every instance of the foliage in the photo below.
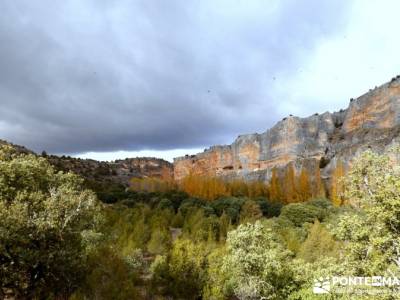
(304, 189)
(372, 234)
(42, 217)
(182, 273)
(319, 243)
(208, 188)
(318, 189)
(167, 244)
(300, 213)
(160, 241)
(275, 187)
(268, 208)
(151, 184)
(111, 276)
(337, 184)
(255, 263)
(290, 188)
(229, 205)
(250, 212)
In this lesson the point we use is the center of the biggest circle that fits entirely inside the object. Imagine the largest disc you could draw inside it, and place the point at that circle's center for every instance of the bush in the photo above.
(256, 264)
(166, 204)
(160, 241)
(300, 213)
(110, 276)
(189, 204)
(268, 208)
(230, 205)
(319, 244)
(187, 269)
(250, 212)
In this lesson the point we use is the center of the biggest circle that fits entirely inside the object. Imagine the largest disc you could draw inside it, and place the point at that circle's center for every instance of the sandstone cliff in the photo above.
(371, 121)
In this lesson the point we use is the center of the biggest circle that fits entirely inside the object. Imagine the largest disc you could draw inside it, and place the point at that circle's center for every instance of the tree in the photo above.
(372, 233)
(238, 188)
(184, 269)
(304, 190)
(109, 276)
(337, 185)
(160, 241)
(257, 189)
(275, 189)
(291, 194)
(319, 243)
(44, 216)
(204, 187)
(228, 205)
(318, 190)
(151, 184)
(250, 212)
(256, 264)
(300, 213)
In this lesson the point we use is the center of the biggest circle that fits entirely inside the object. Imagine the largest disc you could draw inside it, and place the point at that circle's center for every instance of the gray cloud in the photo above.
(80, 76)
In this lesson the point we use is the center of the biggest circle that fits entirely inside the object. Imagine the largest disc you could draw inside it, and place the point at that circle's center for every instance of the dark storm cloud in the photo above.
(80, 76)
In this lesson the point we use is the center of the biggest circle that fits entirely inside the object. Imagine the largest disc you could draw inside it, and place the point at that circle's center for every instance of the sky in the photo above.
(115, 79)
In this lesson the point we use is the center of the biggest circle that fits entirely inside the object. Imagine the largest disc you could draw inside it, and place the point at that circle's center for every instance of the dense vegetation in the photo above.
(58, 241)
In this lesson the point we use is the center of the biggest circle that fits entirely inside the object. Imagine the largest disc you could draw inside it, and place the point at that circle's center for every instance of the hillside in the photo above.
(105, 177)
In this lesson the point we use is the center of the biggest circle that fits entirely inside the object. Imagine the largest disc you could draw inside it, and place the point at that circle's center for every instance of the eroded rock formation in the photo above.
(371, 121)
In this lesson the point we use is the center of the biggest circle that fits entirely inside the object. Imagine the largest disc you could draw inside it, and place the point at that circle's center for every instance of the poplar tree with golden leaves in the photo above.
(291, 194)
(337, 185)
(304, 190)
(257, 189)
(204, 187)
(318, 190)
(275, 189)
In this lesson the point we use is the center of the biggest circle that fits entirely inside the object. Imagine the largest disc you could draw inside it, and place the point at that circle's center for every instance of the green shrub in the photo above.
(301, 213)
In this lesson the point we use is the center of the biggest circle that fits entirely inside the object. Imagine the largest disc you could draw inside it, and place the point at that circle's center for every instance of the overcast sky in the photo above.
(112, 79)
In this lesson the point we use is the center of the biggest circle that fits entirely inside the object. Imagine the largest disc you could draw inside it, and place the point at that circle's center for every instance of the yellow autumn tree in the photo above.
(318, 190)
(257, 189)
(289, 182)
(238, 188)
(275, 189)
(304, 189)
(337, 185)
(204, 187)
(151, 184)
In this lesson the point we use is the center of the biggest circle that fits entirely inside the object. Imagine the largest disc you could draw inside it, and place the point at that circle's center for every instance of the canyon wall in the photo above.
(371, 121)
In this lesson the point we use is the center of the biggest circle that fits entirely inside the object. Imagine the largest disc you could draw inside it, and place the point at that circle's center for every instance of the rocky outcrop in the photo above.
(371, 121)
(119, 171)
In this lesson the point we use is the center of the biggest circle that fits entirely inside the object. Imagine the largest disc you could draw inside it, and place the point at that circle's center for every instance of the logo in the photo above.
(322, 285)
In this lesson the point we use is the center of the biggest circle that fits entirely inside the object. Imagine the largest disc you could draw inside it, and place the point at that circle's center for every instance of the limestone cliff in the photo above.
(370, 121)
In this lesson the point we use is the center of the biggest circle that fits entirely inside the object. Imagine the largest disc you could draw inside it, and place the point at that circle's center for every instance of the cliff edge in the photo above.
(371, 121)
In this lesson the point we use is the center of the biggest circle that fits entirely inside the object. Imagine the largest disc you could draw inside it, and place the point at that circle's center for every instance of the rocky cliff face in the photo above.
(371, 121)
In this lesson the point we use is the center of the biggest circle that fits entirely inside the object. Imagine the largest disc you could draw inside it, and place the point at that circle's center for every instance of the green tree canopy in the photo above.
(44, 217)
